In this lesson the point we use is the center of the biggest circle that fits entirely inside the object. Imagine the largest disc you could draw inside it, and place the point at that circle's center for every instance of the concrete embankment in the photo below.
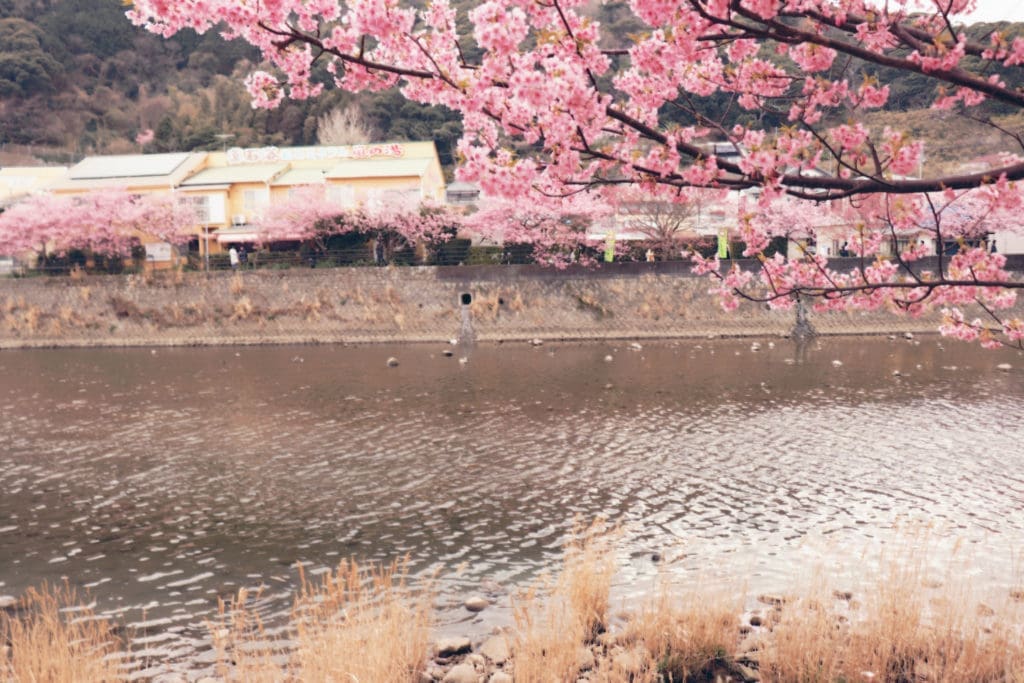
(359, 305)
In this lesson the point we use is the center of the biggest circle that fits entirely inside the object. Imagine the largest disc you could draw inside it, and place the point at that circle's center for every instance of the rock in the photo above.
(895, 373)
(448, 352)
(7, 601)
(635, 346)
(1017, 595)
(499, 677)
(453, 342)
(773, 600)
(476, 604)
(756, 620)
(585, 659)
(496, 649)
(908, 335)
(748, 674)
(426, 678)
(1005, 367)
(537, 342)
(461, 673)
(446, 647)
(837, 363)
(392, 362)
(608, 358)
(476, 660)
(755, 347)
(843, 595)
(608, 386)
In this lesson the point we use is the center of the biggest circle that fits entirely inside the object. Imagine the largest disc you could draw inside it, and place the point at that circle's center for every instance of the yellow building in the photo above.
(237, 185)
(20, 181)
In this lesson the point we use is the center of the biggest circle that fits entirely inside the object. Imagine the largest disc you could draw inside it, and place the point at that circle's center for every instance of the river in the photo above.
(162, 479)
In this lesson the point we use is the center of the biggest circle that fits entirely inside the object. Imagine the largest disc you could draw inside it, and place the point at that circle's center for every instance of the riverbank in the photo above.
(375, 305)
(905, 620)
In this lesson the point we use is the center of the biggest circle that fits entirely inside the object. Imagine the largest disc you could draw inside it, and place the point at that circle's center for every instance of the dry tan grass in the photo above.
(354, 624)
(57, 641)
(363, 625)
(554, 622)
(906, 624)
(237, 285)
(687, 634)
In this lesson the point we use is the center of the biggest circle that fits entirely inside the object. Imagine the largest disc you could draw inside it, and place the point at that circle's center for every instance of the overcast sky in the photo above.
(998, 10)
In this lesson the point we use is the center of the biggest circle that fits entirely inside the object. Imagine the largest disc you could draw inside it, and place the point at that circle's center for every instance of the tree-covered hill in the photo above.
(77, 78)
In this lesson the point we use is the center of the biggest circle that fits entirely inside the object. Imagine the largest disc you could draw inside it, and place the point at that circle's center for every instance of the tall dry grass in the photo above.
(354, 624)
(686, 635)
(56, 640)
(555, 620)
(906, 622)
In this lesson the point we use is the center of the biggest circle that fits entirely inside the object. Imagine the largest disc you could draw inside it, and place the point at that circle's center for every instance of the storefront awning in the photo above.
(236, 234)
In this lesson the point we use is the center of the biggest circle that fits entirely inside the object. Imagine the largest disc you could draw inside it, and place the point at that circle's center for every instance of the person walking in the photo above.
(233, 258)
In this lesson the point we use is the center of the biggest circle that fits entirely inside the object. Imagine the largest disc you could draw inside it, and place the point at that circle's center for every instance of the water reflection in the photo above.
(164, 479)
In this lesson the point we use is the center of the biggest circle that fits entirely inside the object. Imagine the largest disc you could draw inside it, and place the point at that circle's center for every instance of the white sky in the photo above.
(998, 10)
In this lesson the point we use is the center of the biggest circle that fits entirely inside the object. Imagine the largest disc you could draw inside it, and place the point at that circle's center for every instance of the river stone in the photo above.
(537, 342)
(499, 677)
(461, 673)
(773, 600)
(392, 362)
(446, 647)
(496, 649)
(1005, 367)
(7, 601)
(476, 604)
(448, 352)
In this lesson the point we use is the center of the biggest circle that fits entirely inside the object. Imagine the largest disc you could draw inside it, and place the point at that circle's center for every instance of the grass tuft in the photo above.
(56, 640)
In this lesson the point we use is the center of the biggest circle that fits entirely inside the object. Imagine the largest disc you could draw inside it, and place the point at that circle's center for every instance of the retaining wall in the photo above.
(392, 304)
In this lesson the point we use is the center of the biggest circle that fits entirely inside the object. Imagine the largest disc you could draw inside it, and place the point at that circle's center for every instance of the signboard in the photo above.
(158, 251)
(269, 155)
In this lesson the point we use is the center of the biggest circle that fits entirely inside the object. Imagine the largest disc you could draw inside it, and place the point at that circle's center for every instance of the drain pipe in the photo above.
(466, 334)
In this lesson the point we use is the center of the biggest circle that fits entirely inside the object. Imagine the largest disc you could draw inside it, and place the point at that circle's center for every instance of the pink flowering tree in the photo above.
(311, 216)
(308, 215)
(558, 232)
(396, 224)
(555, 105)
(106, 223)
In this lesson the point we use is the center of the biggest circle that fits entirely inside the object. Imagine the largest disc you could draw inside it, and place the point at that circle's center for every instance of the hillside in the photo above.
(77, 78)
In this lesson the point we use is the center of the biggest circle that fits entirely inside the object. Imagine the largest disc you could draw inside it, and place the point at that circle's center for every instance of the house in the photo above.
(237, 185)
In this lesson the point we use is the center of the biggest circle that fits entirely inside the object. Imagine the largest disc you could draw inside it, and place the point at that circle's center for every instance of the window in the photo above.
(201, 206)
(253, 201)
(341, 194)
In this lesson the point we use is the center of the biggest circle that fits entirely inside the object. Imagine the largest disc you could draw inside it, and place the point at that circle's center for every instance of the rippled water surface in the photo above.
(164, 479)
